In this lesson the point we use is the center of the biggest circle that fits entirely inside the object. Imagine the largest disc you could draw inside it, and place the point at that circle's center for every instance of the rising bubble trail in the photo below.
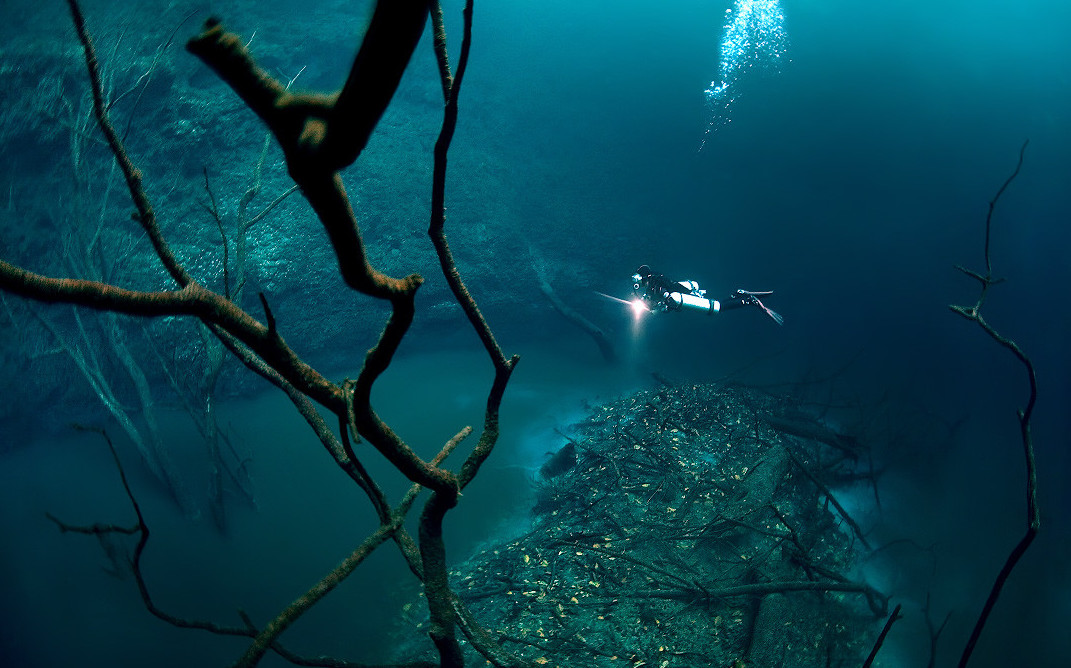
(753, 40)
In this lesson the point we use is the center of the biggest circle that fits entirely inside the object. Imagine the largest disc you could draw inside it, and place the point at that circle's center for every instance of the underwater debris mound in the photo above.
(685, 526)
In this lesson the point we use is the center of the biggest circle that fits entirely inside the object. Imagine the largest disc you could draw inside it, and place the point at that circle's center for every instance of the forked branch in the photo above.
(1033, 513)
(320, 135)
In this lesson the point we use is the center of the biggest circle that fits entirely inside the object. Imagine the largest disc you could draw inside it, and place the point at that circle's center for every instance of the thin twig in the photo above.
(829, 495)
(1033, 513)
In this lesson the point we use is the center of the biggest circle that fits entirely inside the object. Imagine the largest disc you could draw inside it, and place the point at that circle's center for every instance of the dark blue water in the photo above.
(851, 179)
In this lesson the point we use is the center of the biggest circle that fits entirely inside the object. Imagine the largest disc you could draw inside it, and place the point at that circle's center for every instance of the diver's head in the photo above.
(639, 279)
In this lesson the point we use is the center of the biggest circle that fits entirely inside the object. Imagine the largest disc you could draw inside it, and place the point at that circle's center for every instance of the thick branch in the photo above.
(321, 134)
(194, 300)
(326, 194)
(369, 424)
(436, 586)
(606, 347)
(388, 44)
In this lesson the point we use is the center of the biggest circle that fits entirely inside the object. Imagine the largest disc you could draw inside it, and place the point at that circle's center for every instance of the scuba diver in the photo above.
(654, 293)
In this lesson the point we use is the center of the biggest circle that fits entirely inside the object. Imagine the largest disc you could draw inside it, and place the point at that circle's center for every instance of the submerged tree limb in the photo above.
(290, 614)
(875, 599)
(330, 201)
(438, 199)
(606, 347)
(142, 531)
(881, 636)
(145, 214)
(319, 135)
(1033, 512)
(192, 299)
(441, 599)
(856, 529)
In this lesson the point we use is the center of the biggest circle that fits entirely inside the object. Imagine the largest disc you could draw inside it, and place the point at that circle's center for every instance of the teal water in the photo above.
(308, 517)
(850, 178)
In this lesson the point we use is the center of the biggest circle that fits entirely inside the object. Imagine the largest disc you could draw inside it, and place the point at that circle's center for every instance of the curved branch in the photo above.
(438, 201)
(369, 424)
(266, 638)
(993, 204)
(145, 214)
(441, 600)
(194, 300)
(1033, 511)
(321, 134)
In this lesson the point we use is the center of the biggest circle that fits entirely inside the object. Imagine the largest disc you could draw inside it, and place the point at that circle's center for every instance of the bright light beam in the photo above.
(616, 299)
(638, 308)
(636, 305)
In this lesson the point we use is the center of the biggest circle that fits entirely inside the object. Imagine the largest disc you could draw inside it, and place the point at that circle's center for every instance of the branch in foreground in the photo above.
(321, 134)
(442, 601)
(194, 300)
(288, 616)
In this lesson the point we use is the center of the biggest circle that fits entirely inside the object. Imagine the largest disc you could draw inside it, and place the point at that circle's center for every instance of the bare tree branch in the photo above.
(881, 636)
(386, 530)
(1033, 512)
(319, 135)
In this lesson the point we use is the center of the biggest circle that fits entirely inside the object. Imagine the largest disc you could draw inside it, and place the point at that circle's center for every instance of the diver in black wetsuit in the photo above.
(659, 294)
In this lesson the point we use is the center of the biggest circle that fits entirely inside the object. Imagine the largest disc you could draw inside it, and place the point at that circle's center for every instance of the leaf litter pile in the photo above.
(684, 526)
